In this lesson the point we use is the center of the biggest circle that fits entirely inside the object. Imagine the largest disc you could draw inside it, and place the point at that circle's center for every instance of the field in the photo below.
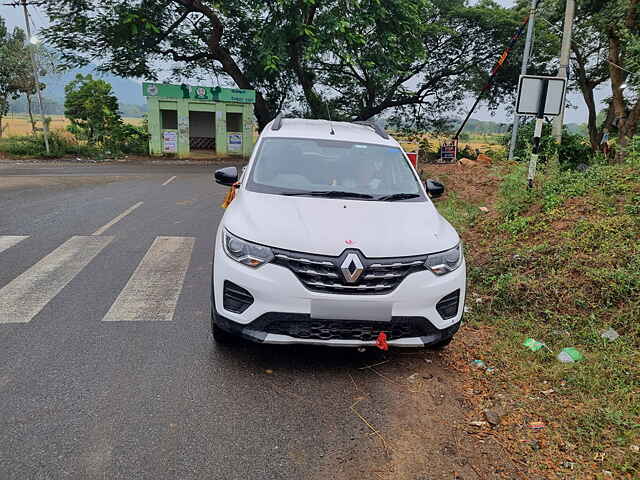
(482, 142)
(16, 124)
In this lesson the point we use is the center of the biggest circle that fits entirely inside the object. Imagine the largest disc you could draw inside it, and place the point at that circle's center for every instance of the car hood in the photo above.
(327, 226)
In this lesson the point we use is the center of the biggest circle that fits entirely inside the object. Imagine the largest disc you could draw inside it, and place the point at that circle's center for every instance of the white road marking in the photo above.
(104, 228)
(24, 297)
(152, 292)
(8, 241)
(169, 181)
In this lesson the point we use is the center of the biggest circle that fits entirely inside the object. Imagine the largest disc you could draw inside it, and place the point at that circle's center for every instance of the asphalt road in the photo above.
(85, 394)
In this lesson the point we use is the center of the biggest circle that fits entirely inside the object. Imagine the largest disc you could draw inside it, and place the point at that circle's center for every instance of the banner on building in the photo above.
(235, 143)
(170, 141)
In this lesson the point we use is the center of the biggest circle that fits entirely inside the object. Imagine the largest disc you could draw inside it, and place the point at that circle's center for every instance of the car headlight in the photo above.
(445, 262)
(250, 254)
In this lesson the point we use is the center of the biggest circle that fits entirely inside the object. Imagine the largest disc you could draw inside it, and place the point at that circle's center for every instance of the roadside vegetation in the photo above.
(94, 127)
(559, 263)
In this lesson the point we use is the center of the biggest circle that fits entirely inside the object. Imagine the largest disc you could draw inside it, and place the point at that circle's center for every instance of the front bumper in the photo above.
(277, 293)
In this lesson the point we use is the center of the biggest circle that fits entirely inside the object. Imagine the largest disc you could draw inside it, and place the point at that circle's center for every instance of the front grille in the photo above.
(399, 327)
(235, 298)
(321, 273)
(447, 307)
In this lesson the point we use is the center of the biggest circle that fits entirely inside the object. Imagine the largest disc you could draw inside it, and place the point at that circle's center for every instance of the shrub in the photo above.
(573, 151)
(633, 151)
(467, 152)
(33, 146)
(128, 139)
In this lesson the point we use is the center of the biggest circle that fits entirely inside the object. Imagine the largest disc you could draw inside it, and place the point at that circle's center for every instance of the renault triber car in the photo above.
(332, 239)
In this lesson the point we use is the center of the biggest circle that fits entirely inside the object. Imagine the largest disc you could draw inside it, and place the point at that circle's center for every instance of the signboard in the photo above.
(170, 141)
(531, 88)
(448, 152)
(235, 143)
(212, 94)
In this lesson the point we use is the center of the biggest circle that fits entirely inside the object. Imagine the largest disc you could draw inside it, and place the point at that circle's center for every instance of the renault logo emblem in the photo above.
(352, 267)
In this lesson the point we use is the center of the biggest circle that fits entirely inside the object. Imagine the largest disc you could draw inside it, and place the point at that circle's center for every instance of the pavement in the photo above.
(108, 369)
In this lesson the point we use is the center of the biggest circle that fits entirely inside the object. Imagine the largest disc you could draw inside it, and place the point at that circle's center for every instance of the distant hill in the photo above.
(128, 91)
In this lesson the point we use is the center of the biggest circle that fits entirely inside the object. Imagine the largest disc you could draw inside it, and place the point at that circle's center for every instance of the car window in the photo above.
(284, 165)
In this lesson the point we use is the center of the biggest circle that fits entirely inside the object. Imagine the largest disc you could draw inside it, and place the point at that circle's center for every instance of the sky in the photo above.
(14, 17)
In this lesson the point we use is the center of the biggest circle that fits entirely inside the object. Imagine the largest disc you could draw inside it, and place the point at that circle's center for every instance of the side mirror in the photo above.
(226, 176)
(434, 189)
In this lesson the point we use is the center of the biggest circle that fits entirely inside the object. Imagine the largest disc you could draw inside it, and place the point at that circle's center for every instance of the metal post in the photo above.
(565, 51)
(36, 79)
(523, 70)
(538, 132)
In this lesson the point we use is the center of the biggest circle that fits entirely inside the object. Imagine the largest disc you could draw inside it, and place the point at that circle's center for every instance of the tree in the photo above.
(355, 58)
(605, 38)
(91, 108)
(623, 32)
(24, 79)
(13, 67)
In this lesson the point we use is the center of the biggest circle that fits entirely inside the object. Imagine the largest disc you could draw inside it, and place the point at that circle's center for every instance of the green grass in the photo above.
(460, 214)
(561, 263)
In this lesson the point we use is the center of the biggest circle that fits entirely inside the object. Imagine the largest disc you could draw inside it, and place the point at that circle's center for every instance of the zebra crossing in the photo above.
(151, 293)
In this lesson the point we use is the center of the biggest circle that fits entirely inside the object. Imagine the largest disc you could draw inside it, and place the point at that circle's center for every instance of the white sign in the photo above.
(235, 142)
(170, 142)
(530, 90)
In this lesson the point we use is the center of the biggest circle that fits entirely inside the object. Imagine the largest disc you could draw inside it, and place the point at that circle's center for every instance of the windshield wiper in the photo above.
(330, 193)
(398, 196)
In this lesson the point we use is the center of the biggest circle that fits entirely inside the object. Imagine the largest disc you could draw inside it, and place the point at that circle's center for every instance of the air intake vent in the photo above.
(236, 299)
(448, 306)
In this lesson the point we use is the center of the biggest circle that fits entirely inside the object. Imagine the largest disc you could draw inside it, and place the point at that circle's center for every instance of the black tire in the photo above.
(441, 344)
(219, 335)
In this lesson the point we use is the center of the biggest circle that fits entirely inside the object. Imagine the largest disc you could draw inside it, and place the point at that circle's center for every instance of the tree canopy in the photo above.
(354, 58)
(91, 108)
(16, 75)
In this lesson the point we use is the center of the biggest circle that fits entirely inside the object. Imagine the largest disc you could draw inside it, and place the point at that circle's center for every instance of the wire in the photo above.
(41, 19)
(582, 46)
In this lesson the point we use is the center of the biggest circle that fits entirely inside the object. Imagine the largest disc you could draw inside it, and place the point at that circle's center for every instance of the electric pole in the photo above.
(565, 51)
(523, 71)
(36, 78)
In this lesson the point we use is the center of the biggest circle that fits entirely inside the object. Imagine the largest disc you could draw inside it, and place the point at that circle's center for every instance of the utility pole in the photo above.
(36, 78)
(523, 70)
(565, 51)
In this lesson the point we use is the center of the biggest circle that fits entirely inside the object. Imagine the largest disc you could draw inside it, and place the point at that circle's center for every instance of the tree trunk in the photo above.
(33, 123)
(1, 129)
(263, 111)
(626, 124)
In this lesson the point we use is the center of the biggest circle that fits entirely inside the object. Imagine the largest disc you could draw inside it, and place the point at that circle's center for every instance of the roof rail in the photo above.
(277, 122)
(376, 127)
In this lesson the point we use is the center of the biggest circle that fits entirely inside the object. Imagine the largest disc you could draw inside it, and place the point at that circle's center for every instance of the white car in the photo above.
(332, 239)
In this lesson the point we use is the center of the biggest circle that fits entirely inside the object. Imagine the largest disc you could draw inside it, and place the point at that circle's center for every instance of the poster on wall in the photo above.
(235, 142)
(170, 142)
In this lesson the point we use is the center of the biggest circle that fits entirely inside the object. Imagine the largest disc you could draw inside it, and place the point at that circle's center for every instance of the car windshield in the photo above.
(332, 168)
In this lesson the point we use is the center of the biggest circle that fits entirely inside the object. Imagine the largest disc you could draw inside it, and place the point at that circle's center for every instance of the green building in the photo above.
(184, 119)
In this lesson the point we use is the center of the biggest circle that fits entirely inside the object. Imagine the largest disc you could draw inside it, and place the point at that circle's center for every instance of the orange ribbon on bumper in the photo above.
(231, 194)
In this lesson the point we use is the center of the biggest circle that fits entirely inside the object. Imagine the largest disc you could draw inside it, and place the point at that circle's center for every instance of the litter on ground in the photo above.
(610, 334)
(479, 423)
(569, 355)
(533, 345)
(479, 364)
